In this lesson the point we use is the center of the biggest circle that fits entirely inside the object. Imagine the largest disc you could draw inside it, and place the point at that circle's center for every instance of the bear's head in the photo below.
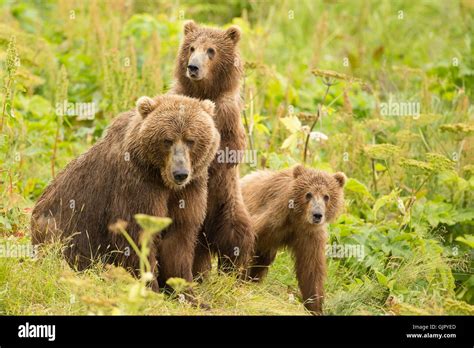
(177, 136)
(209, 61)
(318, 196)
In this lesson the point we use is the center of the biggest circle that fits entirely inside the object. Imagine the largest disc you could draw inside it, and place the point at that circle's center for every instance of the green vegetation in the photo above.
(386, 88)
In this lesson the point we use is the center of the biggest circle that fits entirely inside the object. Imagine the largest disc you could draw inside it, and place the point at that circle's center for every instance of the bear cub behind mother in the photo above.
(149, 156)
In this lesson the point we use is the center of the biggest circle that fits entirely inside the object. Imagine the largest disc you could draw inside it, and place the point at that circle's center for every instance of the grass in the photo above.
(46, 285)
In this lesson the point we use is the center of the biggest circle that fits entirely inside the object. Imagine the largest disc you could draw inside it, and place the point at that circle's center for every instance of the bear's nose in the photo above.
(180, 175)
(193, 68)
(317, 217)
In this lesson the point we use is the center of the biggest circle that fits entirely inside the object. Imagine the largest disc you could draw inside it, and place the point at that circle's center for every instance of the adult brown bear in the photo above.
(148, 156)
(209, 67)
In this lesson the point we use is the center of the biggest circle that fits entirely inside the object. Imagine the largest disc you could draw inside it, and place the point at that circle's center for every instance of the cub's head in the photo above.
(318, 196)
(209, 57)
(177, 135)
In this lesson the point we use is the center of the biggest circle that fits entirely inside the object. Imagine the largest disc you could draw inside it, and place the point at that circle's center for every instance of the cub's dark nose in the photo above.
(193, 69)
(317, 217)
(180, 175)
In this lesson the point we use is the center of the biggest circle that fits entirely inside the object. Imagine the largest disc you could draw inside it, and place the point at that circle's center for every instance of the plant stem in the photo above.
(461, 146)
(305, 151)
(55, 147)
(4, 106)
(246, 119)
(374, 175)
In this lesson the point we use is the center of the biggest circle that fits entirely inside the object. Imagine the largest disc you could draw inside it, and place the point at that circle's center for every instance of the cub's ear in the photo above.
(340, 178)
(298, 170)
(189, 27)
(208, 106)
(233, 33)
(145, 105)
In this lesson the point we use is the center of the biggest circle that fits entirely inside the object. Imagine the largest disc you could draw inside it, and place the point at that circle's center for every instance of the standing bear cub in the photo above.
(291, 208)
(209, 67)
(162, 147)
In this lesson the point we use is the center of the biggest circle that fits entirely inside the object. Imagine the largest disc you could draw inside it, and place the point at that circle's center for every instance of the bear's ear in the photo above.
(189, 27)
(298, 170)
(145, 105)
(233, 33)
(340, 178)
(208, 106)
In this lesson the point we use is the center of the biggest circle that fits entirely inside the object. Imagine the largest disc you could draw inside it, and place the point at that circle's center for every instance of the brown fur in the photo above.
(282, 205)
(226, 230)
(129, 172)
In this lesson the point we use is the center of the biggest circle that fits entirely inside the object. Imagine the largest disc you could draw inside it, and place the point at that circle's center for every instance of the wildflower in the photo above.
(416, 165)
(463, 129)
(440, 162)
(382, 151)
(318, 136)
(118, 227)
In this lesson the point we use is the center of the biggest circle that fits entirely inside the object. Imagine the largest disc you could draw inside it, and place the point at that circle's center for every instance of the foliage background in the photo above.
(409, 197)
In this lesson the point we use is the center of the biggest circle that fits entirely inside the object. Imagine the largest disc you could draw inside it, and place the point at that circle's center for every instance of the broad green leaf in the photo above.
(467, 240)
(152, 224)
(292, 123)
(356, 186)
(382, 279)
(380, 167)
(290, 142)
(384, 200)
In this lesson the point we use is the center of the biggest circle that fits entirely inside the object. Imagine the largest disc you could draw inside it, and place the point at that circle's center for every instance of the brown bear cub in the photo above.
(161, 148)
(291, 208)
(209, 67)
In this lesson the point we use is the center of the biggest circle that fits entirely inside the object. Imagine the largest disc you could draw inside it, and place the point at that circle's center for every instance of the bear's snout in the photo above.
(316, 211)
(178, 169)
(197, 65)
(180, 176)
(193, 69)
(317, 217)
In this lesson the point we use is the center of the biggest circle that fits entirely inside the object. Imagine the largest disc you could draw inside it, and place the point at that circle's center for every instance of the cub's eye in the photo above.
(326, 198)
(168, 142)
(308, 196)
(192, 49)
(190, 143)
(211, 52)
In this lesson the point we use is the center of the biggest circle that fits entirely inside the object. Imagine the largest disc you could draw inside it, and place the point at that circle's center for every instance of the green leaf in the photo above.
(380, 167)
(467, 240)
(290, 142)
(152, 224)
(384, 200)
(292, 123)
(382, 279)
(356, 186)
(464, 216)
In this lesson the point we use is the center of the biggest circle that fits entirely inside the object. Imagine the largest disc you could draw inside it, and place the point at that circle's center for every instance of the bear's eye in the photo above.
(211, 52)
(192, 49)
(190, 142)
(326, 198)
(308, 196)
(168, 142)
